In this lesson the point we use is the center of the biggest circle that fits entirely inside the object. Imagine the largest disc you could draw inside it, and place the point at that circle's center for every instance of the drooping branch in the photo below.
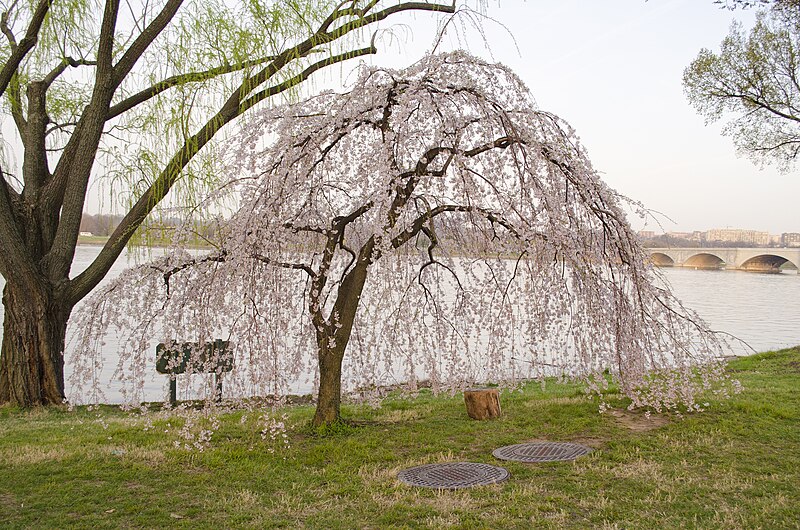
(363, 19)
(136, 50)
(339, 12)
(212, 258)
(411, 178)
(285, 264)
(231, 109)
(222, 256)
(419, 224)
(302, 76)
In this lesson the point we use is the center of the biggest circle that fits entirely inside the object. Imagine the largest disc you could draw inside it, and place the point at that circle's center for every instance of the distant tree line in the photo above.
(158, 231)
(101, 224)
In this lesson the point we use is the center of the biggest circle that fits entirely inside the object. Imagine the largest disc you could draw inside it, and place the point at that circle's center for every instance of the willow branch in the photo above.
(144, 40)
(65, 62)
(21, 49)
(231, 109)
(302, 76)
(180, 79)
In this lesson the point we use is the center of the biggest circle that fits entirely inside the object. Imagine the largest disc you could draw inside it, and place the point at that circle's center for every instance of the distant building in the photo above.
(790, 239)
(737, 235)
(679, 235)
(85, 234)
(646, 234)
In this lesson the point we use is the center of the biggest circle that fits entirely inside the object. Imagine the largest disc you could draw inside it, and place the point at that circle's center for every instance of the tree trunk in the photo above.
(329, 398)
(32, 355)
(339, 329)
(482, 403)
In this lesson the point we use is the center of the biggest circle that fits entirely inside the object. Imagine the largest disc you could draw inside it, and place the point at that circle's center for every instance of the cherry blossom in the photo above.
(429, 224)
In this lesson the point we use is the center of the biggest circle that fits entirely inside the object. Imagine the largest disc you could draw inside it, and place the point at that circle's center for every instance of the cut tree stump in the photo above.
(482, 403)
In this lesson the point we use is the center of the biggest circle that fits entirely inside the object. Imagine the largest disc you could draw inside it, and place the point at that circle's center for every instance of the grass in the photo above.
(737, 465)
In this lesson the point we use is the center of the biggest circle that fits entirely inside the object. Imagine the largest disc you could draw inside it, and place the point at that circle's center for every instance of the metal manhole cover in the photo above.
(452, 475)
(541, 452)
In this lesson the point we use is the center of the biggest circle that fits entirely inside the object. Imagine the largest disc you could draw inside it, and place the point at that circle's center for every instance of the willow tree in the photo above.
(138, 93)
(753, 84)
(430, 222)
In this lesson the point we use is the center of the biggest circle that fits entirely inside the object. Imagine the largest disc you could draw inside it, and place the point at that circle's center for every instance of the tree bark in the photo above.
(32, 355)
(338, 330)
(329, 399)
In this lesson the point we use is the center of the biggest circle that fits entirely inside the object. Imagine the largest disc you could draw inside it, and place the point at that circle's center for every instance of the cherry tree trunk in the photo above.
(329, 399)
(333, 339)
(32, 355)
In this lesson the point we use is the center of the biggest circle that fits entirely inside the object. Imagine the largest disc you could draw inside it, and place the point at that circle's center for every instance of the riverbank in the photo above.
(99, 241)
(737, 465)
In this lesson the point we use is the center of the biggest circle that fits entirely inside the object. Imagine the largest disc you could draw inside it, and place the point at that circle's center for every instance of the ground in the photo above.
(736, 465)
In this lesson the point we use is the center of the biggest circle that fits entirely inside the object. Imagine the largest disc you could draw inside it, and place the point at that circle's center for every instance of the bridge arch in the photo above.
(765, 263)
(659, 259)
(705, 260)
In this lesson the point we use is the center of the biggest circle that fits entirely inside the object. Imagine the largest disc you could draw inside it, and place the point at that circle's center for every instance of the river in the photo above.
(760, 309)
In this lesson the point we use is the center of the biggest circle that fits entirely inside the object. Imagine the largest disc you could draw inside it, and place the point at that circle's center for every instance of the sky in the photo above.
(613, 70)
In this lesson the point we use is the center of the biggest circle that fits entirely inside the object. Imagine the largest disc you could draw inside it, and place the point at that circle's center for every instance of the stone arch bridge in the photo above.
(748, 259)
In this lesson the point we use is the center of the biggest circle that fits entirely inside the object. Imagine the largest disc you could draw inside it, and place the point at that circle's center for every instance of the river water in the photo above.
(761, 309)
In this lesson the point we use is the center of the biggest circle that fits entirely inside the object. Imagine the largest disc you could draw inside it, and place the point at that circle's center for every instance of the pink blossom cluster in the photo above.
(494, 253)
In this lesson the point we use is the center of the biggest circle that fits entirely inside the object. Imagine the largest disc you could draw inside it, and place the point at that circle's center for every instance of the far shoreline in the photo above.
(99, 241)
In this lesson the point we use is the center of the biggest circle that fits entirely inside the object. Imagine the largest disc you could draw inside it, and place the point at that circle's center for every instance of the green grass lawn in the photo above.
(736, 465)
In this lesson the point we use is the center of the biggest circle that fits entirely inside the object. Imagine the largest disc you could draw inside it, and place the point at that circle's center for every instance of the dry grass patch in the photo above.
(9, 500)
(557, 400)
(640, 468)
(403, 416)
(638, 421)
(242, 500)
(32, 454)
(146, 455)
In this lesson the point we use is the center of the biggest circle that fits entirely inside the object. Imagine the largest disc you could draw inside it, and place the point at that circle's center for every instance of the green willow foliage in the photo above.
(140, 94)
(752, 83)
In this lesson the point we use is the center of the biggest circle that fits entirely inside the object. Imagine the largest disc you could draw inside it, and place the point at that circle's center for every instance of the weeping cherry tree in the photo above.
(429, 223)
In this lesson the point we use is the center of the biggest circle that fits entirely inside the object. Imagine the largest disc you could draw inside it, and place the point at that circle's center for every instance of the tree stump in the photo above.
(482, 403)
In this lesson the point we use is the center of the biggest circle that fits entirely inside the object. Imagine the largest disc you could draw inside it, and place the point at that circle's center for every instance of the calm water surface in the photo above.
(761, 309)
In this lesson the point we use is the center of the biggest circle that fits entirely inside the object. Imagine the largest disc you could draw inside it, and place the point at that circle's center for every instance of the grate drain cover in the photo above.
(452, 475)
(541, 452)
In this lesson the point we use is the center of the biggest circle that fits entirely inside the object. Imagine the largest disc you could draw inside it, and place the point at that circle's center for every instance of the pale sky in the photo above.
(613, 70)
